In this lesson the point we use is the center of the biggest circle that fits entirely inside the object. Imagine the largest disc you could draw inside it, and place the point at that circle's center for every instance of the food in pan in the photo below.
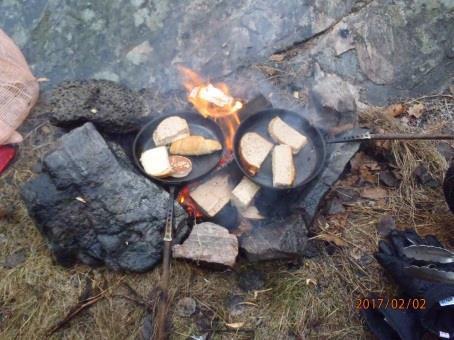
(194, 146)
(244, 193)
(181, 166)
(283, 166)
(156, 162)
(253, 151)
(170, 130)
(282, 133)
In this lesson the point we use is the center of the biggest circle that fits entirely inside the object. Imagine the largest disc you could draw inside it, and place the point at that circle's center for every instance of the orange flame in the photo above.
(213, 101)
(190, 206)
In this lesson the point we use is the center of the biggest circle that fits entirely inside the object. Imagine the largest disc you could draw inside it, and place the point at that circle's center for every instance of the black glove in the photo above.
(436, 318)
(392, 324)
(448, 186)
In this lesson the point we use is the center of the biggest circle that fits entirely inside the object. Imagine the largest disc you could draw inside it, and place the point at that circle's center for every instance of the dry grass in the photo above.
(36, 294)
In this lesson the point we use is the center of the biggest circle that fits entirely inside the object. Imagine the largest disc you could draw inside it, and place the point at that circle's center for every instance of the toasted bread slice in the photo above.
(170, 130)
(283, 166)
(244, 193)
(253, 151)
(156, 162)
(282, 133)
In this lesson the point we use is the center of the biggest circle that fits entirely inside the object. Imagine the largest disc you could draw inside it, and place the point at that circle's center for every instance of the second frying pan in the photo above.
(309, 162)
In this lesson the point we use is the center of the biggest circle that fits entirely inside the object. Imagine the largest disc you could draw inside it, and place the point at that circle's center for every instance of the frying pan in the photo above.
(309, 162)
(201, 165)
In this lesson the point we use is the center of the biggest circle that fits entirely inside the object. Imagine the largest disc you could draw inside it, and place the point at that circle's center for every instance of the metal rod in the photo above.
(389, 136)
(404, 136)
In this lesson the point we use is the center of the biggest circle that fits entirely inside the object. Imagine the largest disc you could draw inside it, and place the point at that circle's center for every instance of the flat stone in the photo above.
(110, 106)
(339, 156)
(92, 210)
(275, 239)
(186, 307)
(208, 243)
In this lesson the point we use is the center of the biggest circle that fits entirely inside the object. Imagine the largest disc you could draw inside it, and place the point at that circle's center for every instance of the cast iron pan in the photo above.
(201, 165)
(309, 162)
(198, 125)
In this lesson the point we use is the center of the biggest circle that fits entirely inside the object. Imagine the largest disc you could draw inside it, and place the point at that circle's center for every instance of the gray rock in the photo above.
(334, 206)
(424, 177)
(146, 330)
(388, 178)
(208, 243)
(110, 106)
(92, 210)
(235, 305)
(339, 156)
(15, 259)
(333, 93)
(186, 307)
(250, 280)
(275, 239)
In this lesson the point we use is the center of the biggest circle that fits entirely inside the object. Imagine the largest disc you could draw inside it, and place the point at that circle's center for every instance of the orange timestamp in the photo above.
(393, 303)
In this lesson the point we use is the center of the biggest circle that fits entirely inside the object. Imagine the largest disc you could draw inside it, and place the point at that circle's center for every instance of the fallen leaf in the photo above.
(374, 193)
(416, 110)
(394, 110)
(311, 281)
(277, 57)
(235, 325)
(367, 176)
(357, 161)
(338, 220)
(333, 239)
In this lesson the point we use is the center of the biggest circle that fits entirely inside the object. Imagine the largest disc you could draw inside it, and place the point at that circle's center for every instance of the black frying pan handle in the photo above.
(169, 218)
(164, 284)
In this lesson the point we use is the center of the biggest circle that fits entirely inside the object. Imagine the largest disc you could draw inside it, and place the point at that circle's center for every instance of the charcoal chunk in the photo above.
(92, 210)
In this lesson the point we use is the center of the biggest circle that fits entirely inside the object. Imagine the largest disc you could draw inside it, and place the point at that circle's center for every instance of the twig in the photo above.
(76, 310)
(431, 96)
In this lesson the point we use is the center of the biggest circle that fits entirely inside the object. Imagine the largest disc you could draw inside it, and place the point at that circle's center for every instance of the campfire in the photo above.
(213, 102)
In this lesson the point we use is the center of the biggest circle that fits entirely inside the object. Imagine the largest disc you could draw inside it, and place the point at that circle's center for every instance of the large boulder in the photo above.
(112, 107)
(91, 209)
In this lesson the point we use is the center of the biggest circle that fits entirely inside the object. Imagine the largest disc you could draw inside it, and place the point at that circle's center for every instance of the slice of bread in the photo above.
(282, 133)
(155, 162)
(244, 193)
(170, 130)
(283, 166)
(253, 151)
